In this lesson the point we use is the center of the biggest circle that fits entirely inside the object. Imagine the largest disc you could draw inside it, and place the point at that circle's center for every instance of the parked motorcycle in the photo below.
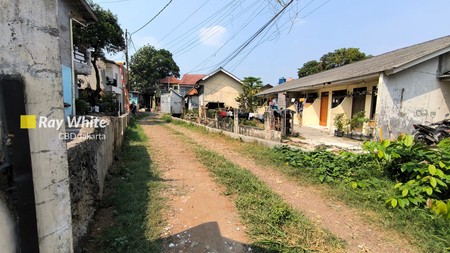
(432, 134)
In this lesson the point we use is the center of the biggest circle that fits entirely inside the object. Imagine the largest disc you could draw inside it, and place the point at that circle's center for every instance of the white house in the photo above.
(396, 89)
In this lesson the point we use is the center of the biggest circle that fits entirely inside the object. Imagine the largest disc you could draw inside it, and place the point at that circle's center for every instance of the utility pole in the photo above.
(126, 60)
(126, 97)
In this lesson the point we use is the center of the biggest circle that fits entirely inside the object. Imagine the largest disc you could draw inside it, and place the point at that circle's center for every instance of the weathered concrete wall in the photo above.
(412, 96)
(89, 161)
(270, 135)
(29, 48)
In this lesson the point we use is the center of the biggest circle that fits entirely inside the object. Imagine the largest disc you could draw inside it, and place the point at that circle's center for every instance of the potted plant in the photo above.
(339, 124)
(356, 121)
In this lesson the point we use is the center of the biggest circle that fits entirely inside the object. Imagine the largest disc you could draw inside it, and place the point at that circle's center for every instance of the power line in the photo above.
(253, 37)
(182, 22)
(157, 14)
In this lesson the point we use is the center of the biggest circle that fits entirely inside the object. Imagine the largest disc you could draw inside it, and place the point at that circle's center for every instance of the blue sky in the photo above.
(202, 34)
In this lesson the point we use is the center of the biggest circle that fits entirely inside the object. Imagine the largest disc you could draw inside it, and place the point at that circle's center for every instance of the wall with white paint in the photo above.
(412, 96)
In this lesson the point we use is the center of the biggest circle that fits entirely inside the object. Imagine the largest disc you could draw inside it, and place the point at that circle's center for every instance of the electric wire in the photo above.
(157, 14)
(182, 22)
(197, 42)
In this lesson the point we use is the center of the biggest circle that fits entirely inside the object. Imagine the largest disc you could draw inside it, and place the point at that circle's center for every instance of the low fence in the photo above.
(89, 161)
(231, 124)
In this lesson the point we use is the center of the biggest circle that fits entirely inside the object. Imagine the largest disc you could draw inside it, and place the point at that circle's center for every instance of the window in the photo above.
(338, 97)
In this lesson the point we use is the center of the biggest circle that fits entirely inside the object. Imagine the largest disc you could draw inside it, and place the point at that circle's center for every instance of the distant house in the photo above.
(396, 89)
(188, 82)
(219, 89)
(112, 80)
(168, 83)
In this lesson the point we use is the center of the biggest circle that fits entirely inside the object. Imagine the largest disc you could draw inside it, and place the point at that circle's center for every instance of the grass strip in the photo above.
(134, 195)
(273, 225)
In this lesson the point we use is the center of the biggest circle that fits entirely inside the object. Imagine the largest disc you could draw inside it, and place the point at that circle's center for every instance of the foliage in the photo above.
(329, 167)
(108, 103)
(103, 35)
(82, 107)
(167, 118)
(247, 99)
(339, 121)
(332, 60)
(357, 120)
(423, 174)
(148, 65)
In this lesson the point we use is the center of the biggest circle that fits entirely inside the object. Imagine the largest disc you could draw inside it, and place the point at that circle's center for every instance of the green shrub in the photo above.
(422, 172)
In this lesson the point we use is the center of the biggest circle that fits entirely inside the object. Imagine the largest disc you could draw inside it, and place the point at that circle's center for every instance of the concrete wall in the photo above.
(411, 96)
(270, 135)
(311, 113)
(30, 48)
(221, 88)
(89, 161)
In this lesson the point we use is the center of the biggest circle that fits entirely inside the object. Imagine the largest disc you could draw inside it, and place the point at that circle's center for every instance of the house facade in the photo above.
(219, 89)
(395, 90)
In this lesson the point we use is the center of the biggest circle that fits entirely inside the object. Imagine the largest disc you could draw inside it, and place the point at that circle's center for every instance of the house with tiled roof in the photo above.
(395, 90)
(188, 82)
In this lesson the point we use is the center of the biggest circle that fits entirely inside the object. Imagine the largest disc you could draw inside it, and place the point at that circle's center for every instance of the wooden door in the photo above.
(323, 109)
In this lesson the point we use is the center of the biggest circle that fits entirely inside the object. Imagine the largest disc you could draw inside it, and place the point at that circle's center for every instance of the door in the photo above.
(323, 109)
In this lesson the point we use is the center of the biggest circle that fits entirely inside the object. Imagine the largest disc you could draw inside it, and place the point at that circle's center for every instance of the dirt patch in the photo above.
(338, 218)
(200, 218)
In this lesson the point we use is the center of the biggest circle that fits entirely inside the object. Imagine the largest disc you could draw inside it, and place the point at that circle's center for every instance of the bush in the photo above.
(422, 173)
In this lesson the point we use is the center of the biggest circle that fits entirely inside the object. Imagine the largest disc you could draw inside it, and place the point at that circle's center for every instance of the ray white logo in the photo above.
(32, 121)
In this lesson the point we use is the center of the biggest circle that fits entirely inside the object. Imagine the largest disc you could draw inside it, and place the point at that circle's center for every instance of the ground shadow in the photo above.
(206, 237)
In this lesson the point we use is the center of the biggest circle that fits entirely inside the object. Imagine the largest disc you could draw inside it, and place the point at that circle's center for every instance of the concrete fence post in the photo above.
(236, 120)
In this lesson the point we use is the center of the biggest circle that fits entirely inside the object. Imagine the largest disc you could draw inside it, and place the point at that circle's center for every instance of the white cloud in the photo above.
(214, 36)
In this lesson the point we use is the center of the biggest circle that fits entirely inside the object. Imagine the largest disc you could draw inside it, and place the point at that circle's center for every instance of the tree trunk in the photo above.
(98, 89)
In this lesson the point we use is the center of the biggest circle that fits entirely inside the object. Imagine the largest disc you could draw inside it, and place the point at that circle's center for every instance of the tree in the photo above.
(148, 65)
(103, 35)
(332, 60)
(247, 99)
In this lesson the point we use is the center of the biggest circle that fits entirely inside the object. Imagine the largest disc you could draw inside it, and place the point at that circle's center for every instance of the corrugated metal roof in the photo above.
(390, 61)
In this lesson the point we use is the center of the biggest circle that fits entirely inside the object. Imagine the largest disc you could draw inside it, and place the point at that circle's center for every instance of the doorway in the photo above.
(323, 109)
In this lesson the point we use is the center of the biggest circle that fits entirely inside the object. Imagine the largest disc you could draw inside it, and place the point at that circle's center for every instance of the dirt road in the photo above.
(201, 218)
(197, 204)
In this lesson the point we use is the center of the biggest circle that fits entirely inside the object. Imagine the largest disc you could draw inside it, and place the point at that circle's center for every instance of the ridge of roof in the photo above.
(221, 70)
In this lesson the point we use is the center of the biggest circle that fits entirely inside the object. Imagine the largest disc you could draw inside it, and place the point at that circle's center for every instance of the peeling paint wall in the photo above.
(412, 96)
(29, 47)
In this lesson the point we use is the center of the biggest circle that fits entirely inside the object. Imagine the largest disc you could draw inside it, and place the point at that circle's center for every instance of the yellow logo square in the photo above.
(27, 121)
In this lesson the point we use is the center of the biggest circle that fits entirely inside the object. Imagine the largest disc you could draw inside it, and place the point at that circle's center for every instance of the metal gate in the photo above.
(16, 181)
